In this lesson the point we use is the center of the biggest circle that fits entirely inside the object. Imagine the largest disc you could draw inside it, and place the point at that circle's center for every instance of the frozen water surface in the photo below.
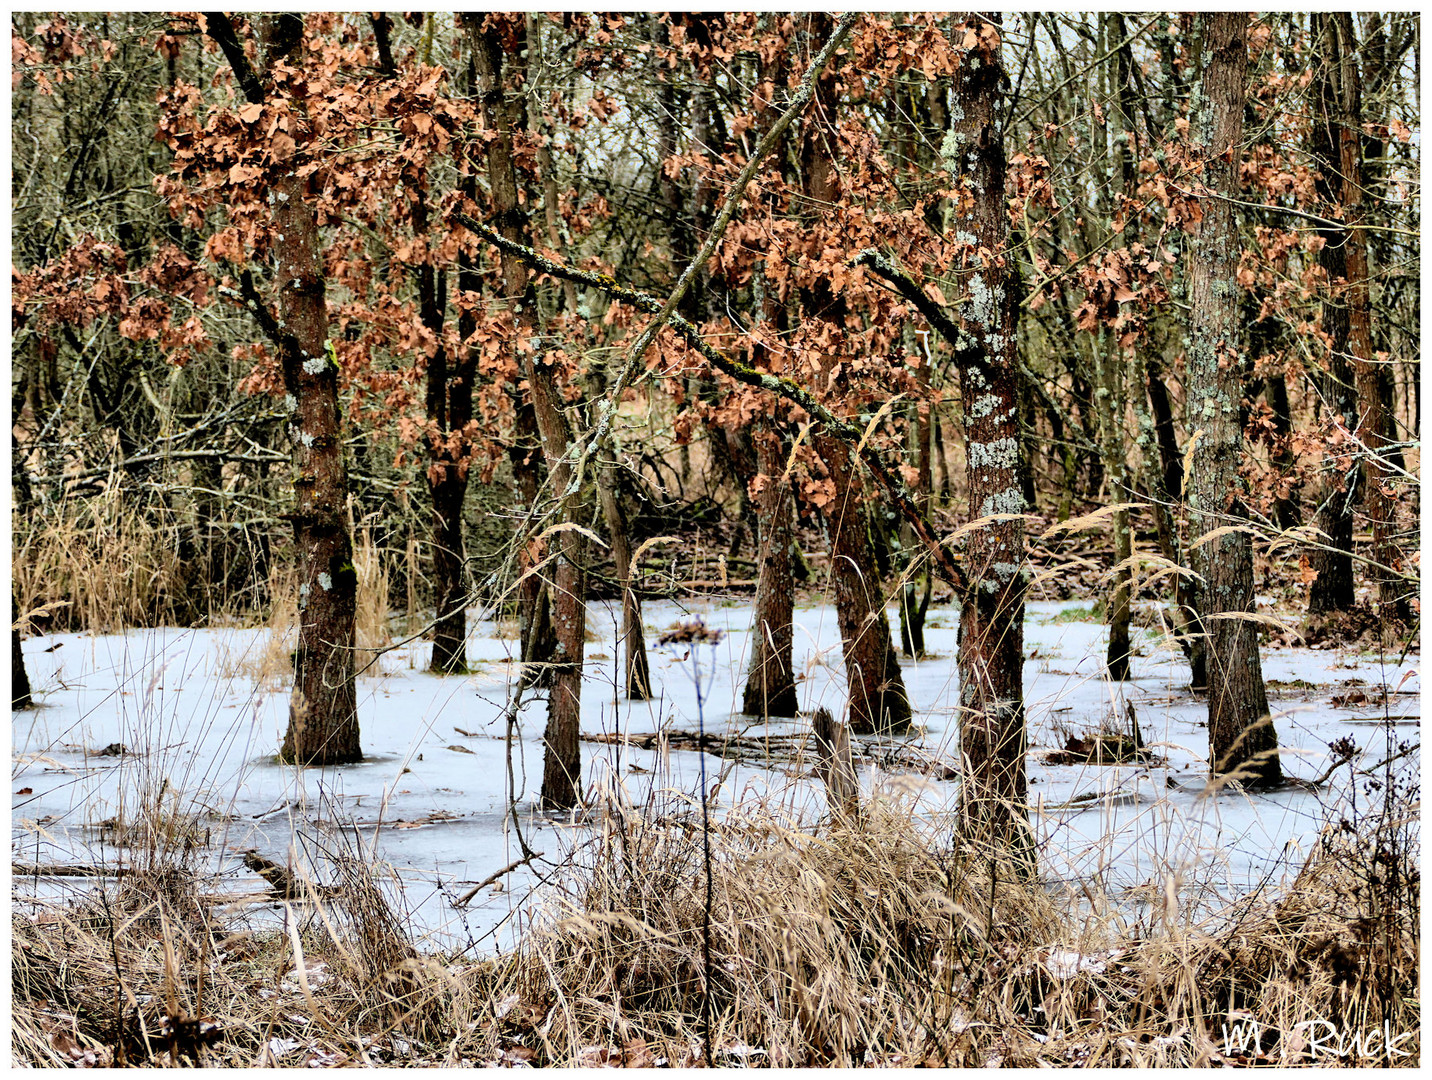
(430, 799)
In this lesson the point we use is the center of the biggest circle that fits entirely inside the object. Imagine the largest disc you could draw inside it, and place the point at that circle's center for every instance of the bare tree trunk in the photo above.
(1286, 514)
(1110, 402)
(916, 588)
(1332, 589)
(1373, 427)
(561, 768)
(562, 759)
(1242, 741)
(323, 716)
(878, 700)
(770, 684)
(19, 678)
(449, 406)
(637, 684)
(1112, 361)
(993, 797)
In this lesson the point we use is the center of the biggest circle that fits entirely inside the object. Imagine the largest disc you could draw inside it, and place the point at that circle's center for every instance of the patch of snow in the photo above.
(430, 799)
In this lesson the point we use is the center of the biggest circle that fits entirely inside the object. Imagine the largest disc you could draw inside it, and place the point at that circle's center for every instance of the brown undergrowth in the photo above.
(864, 941)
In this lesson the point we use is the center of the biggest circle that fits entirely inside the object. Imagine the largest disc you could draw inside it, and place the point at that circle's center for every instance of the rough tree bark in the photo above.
(1373, 426)
(561, 769)
(993, 790)
(562, 758)
(770, 684)
(323, 715)
(1332, 589)
(1242, 741)
(878, 701)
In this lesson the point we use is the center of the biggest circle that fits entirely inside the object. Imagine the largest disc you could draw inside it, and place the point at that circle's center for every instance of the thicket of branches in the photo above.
(260, 306)
(537, 308)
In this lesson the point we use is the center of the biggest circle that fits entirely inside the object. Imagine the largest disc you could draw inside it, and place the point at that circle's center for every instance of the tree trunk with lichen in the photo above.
(323, 713)
(561, 768)
(993, 799)
(1241, 738)
(770, 684)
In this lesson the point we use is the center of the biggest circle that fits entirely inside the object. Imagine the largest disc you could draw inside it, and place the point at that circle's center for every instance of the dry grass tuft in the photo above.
(372, 611)
(268, 663)
(868, 940)
(102, 564)
(875, 943)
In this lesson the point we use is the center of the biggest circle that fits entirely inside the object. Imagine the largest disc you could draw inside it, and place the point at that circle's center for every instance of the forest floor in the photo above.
(163, 740)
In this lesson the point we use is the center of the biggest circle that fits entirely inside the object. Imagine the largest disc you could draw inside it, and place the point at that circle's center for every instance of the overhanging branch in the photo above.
(934, 314)
(889, 480)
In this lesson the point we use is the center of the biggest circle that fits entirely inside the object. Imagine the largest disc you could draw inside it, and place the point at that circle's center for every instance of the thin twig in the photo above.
(462, 900)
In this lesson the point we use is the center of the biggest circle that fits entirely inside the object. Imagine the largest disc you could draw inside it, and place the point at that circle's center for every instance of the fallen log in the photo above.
(67, 870)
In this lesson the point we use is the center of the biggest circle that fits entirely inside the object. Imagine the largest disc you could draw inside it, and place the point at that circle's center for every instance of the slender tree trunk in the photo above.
(770, 681)
(1286, 514)
(637, 682)
(1242, 741)
(323, 716)
(1332, 589)
(450, 630)
(770, 684)
(1168, 489)
(1123, 155)
(1373, 427)
(1109, 369)
(449, 406)
(540, 128)
(561, 768)
(536, 643)
(19, 678)
(916, 588)
(993, 806)
(448, 402)
(878, 700)
(562, 759)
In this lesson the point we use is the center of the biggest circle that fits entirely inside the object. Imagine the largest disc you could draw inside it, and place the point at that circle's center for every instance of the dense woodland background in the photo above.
(361, 321)
(158, 161)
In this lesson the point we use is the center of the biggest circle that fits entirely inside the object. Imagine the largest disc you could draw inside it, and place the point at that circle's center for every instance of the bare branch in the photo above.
(889, 480)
